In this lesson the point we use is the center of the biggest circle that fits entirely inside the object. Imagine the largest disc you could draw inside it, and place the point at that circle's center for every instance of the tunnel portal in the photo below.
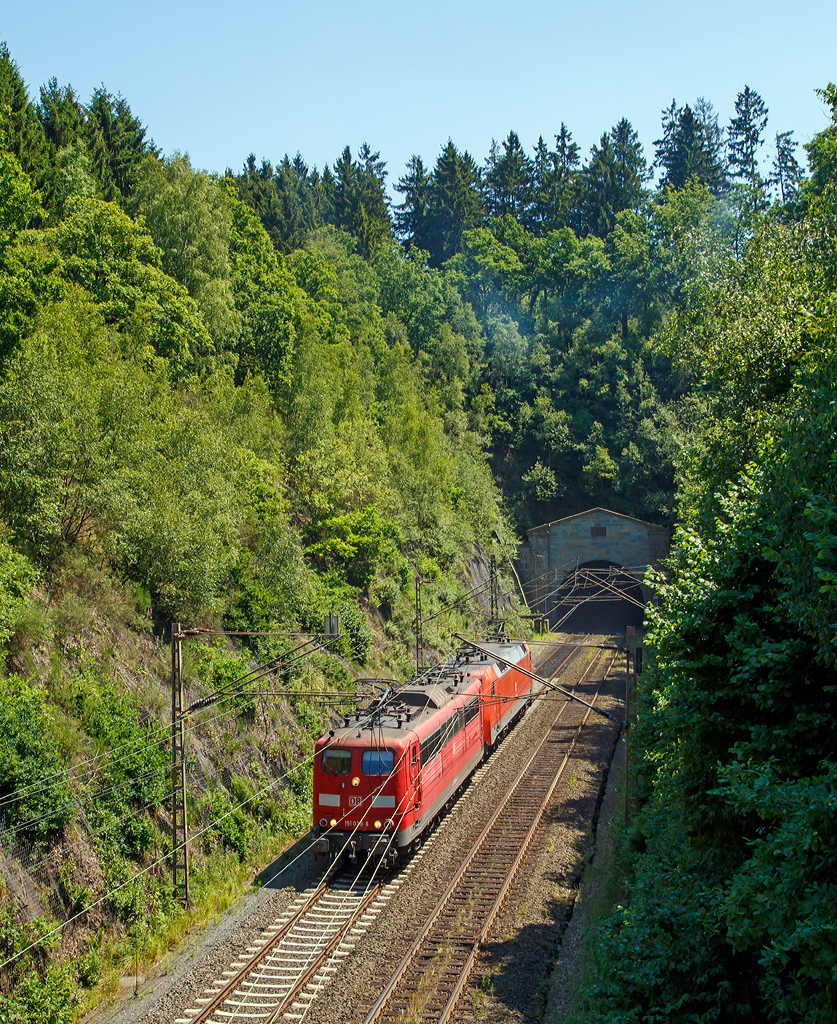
(586, 573)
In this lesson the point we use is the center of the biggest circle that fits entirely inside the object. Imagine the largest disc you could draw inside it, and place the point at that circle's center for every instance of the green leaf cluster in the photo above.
(730, 914)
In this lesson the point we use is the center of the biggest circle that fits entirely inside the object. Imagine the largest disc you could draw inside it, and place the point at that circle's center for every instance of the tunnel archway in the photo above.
(596, 539)
(597, 597)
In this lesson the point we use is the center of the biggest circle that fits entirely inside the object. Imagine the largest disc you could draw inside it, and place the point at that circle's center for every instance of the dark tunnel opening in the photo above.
(592, 607)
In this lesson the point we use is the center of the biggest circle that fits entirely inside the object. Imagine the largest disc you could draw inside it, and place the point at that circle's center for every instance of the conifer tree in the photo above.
(599, 190)
(613, 179)
(22, 131)
(455, 202)
(62, 115)
(296, 204)
(359, 200)
(411, 215)
(744, 136)
(786, 174)
(555, 183)
(256, 187)
(717, 174)
(117, 144)
(508, 180)
(632, 171)
(689, 148)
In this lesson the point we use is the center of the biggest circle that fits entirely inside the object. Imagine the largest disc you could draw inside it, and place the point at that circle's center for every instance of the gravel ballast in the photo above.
(510, 980)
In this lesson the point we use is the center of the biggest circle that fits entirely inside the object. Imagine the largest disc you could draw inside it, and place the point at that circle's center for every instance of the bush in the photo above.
(17, 578)
(33, 782)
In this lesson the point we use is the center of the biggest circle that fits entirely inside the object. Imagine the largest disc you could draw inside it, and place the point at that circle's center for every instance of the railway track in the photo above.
(430, 980)
(279, 976)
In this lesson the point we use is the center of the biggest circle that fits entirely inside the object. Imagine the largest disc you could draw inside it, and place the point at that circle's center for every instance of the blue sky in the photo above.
(220, 80)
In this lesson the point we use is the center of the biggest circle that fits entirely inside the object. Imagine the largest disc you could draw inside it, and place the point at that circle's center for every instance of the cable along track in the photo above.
(431, 977)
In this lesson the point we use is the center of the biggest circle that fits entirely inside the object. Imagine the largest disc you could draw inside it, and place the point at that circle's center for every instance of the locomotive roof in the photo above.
(421, 697)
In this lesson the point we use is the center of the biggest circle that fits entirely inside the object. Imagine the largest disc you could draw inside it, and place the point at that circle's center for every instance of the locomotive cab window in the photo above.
(377, 762)
(337, 762)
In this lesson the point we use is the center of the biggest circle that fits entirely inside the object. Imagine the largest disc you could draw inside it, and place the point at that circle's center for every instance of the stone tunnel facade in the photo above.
(597, 535)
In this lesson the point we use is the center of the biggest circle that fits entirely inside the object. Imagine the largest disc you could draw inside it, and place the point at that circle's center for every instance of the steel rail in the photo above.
(258, 959)
(466, 970)
(376, 1010)
(325, 954)
(207, 1011)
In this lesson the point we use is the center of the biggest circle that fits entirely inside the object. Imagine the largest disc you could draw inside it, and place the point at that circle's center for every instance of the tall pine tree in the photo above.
(744, 136)
(359, 201)
(786, 174)
(508, 180)
(688, 150)
(556, 180)
(117, 144)
(454, 204)
(22, 132)
(613, 180)
(411, 214)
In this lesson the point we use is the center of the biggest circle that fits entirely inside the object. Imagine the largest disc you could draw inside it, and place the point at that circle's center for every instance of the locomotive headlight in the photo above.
(355, 781)
(333, 822)
(323, 822)
(377, 824)
(388, 823)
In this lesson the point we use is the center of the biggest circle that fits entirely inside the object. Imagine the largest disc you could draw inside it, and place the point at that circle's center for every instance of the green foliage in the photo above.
(20, 130)
(731, 913)
(51, 999)
(17, 578)
(275, 313)
(355, 542)
(822, 149)
(31, 770)
(188, 215)
(115, 259)
(18, 202)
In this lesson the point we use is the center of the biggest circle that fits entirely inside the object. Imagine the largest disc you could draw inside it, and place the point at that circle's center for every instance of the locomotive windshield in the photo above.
(337, 762)
(377, 762)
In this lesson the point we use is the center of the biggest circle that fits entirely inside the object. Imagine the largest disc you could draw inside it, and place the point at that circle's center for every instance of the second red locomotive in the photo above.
(382, 778)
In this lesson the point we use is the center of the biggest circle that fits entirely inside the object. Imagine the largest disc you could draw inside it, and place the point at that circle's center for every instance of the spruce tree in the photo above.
(454, 202)
(411, 215)
(22, 132)
(689, 148)
(257, 189)
(61, 114)
(117, 144)
(717, 179)
(599, 190)
(359, 202)
(295, 203)
(508, 180)
(744, 136)
(632, 171)
(613, 180)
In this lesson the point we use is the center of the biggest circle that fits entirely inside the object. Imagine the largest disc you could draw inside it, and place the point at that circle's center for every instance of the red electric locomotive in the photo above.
(381, 779)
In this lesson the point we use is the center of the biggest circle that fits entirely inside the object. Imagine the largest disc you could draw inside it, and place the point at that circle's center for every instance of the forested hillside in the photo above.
(245, 400)
(730, 909)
